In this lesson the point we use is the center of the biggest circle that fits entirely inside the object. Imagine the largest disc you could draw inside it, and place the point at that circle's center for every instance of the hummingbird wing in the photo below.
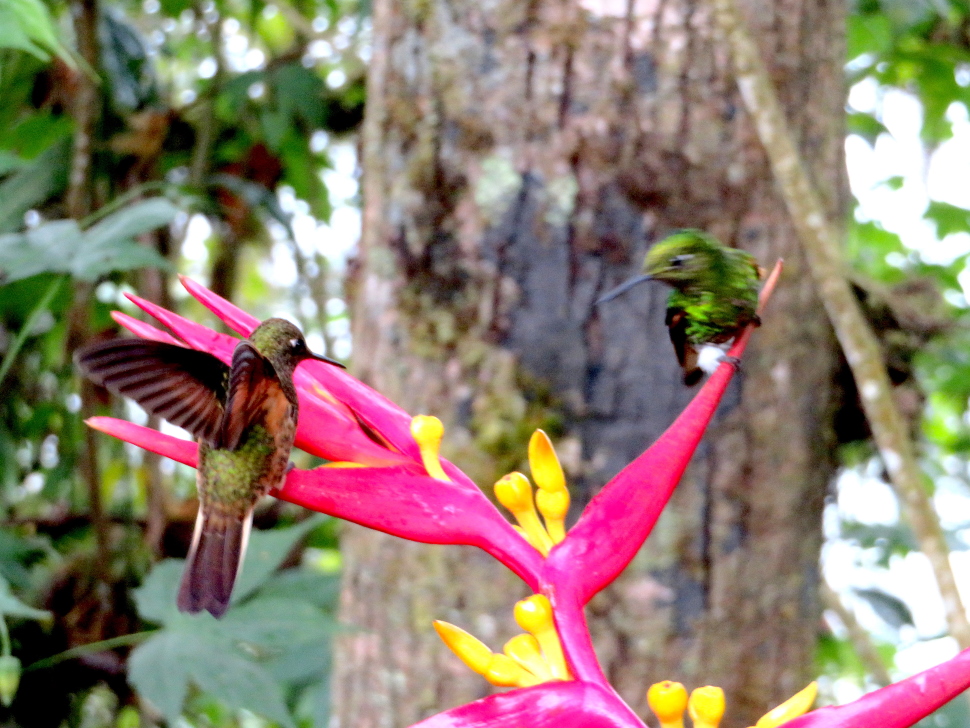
(255, 396)
(677, 324)
(184, 386)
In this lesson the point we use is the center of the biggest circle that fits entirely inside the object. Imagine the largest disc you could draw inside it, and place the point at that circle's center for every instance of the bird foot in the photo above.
(732, 360)
(289, 466)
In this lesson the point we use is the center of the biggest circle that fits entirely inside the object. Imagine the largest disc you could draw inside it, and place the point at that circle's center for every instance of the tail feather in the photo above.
(214, 560)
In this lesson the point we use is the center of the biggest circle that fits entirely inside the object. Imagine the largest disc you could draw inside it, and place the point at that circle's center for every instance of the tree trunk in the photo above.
(519, 159)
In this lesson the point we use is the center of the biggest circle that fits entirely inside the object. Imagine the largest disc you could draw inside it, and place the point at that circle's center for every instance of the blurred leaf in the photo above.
(27, 25)
(163, 668)
(870, 33)
(277, 623)
(126, 64)
(892, 610)
(865, 125)
(265, 553)
(59, 246)
(32, 185)
(947, 218)
(155, 598)
(10, 606)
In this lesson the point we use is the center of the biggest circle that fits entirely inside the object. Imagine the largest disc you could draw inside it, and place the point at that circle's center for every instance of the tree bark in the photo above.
(519, 159)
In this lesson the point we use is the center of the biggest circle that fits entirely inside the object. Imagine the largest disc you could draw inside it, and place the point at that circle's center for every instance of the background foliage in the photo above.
(221, 145)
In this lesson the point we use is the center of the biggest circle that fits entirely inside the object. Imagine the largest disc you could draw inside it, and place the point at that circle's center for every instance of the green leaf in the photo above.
(870, 33)
(278, 623)
(947, 218)
(155, 598)
(163, 668)
(865, 125)
(240, 683)
(32, 185)
(59, 246)
(27, 25)
(10, 606)
(265, 553)
(159, 670)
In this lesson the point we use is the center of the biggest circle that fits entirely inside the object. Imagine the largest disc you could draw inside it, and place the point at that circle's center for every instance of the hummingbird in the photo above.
(244, 416)
(715, 292)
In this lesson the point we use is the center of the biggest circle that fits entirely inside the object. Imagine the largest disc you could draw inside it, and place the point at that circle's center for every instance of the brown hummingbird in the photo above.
(244, 417)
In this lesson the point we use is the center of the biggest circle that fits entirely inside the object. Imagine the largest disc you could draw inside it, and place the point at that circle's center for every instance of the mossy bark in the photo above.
(519, 158)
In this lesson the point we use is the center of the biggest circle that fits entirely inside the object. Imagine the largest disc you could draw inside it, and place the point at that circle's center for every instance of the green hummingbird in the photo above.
(244, 416)
(715, 292)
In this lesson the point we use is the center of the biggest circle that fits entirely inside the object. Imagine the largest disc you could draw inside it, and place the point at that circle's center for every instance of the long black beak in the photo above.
(327, 359)
(623, 288)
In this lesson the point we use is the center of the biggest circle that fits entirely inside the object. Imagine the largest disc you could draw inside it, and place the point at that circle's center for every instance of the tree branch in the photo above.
(821, 242)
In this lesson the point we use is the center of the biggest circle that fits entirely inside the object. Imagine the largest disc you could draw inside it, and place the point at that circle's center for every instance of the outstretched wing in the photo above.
(184, 386)
(255, 396)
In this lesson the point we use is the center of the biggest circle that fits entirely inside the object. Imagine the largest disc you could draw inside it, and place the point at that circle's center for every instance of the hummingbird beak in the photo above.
(623, 288)
(327, 359)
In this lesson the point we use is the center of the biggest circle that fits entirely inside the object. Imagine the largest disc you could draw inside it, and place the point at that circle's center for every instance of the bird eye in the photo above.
(679, 260)
(296, 344)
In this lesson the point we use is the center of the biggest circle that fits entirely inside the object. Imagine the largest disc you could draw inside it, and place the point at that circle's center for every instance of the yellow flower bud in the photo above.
(534, 615)
(546, 470)
(470, 650)
(668, 701)
(427, 432)
(506, 672)
(515, 493)
(525, 650)
(706, 706)
(554, 505)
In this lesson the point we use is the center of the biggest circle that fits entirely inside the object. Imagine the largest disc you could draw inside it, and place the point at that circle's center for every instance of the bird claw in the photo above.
(289, 466)
(732, 360)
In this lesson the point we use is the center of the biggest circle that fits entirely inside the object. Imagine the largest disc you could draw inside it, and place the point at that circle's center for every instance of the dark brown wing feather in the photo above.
(184, 386)
(253, 388)
(686, 353)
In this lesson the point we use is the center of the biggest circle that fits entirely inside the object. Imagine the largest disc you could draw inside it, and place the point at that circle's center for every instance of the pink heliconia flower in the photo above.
(343, 420)
(381, 479)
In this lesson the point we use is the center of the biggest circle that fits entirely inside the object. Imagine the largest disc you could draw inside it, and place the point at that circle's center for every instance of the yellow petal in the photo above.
(524, 649)
(554, 505)
(546, 470)
(534, 615)
(798, 704)
(343, 464)
(668, 701)
(515, 493)
(470, 650)
(706, 706)
(427, 431)
(506, 672)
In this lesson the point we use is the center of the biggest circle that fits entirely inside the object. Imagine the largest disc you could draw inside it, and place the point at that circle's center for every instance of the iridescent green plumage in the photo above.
(715, 292)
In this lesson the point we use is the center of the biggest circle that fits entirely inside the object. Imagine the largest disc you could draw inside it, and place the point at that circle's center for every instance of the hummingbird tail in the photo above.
(214, 560)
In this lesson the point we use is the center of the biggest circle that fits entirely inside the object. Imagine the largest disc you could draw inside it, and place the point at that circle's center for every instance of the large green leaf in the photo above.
(265, 553)
(163, 668)
(26, 25)
(59, 246)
